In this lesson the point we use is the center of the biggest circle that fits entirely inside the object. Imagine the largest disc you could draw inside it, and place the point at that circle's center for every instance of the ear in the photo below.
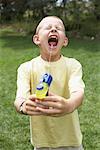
(35, 39)
(66, 41)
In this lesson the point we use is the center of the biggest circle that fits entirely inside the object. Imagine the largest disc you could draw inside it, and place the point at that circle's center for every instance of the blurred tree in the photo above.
(96, 9)
(40, 8)
(14, 9)
(71, 11)
(6, 9)
(76, 14)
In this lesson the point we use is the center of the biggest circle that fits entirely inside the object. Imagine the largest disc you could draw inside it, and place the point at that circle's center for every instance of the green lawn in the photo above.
(16, 49)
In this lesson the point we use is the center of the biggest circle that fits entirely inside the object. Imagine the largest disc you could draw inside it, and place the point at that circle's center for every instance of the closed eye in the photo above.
(48, 27)
(59, 28)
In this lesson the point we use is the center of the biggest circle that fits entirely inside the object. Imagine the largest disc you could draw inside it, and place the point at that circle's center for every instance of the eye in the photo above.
(47, 27)
(59, 28)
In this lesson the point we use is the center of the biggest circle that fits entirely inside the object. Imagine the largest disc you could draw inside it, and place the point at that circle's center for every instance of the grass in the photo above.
(16, 49)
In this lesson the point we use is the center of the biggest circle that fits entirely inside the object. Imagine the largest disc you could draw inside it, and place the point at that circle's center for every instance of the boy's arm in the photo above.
(24, 102)
(23, 85)
(76, 100)
(18, 103)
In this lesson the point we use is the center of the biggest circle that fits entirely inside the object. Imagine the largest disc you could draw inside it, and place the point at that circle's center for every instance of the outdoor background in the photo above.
(18, 20)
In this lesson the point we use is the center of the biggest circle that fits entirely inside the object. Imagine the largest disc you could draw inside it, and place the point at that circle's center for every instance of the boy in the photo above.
(54, 122)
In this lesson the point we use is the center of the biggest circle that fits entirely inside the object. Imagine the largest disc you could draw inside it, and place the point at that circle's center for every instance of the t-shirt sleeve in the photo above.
(75, 77)
(23, 81)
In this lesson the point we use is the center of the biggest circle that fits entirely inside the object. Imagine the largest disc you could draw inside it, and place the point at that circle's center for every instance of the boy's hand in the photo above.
(29, 106)
(54, 105)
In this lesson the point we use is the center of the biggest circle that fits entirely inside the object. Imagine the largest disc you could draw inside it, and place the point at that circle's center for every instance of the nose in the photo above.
(53, 29)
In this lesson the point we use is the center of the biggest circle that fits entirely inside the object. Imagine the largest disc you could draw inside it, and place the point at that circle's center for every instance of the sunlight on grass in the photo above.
(16, 49)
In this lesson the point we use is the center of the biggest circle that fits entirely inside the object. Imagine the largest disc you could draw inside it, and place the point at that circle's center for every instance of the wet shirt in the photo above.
(67, 78)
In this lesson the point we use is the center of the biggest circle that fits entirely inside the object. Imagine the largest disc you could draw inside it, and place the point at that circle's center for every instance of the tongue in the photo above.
(52, 44)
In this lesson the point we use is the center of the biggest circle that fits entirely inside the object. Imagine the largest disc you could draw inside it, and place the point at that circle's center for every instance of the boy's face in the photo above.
(50, 37)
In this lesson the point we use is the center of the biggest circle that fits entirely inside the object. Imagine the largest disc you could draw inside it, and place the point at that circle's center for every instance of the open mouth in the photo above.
(53, 41)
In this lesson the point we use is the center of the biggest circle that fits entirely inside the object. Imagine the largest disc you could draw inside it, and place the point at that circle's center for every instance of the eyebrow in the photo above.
(39, 26)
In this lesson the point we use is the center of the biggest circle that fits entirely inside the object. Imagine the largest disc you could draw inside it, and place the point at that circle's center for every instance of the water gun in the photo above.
(43, 86)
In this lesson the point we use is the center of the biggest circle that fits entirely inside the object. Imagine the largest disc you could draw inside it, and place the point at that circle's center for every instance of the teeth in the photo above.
(53, 39)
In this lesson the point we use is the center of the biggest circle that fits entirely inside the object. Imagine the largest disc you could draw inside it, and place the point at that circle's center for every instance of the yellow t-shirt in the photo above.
(67, 77)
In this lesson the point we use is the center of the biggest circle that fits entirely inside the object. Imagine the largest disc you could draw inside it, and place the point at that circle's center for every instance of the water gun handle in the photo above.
(43, 86)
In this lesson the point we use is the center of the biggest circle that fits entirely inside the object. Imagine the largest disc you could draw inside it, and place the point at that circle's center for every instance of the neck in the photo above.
(51, 58)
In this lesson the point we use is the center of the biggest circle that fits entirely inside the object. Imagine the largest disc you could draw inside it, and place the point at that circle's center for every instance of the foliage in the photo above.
(13, 9)
(15, 49)
(76, 14)
(90, 29)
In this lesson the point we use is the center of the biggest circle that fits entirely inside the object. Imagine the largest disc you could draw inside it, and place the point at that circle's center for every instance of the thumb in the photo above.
(50, 93)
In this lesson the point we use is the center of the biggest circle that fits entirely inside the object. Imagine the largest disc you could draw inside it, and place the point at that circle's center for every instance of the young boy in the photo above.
(54, 121)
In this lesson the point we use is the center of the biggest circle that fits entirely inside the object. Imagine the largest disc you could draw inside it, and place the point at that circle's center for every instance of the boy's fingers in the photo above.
(48, 104)
(32, 97)
(50, 111)
(50, 94)
(53, 98)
